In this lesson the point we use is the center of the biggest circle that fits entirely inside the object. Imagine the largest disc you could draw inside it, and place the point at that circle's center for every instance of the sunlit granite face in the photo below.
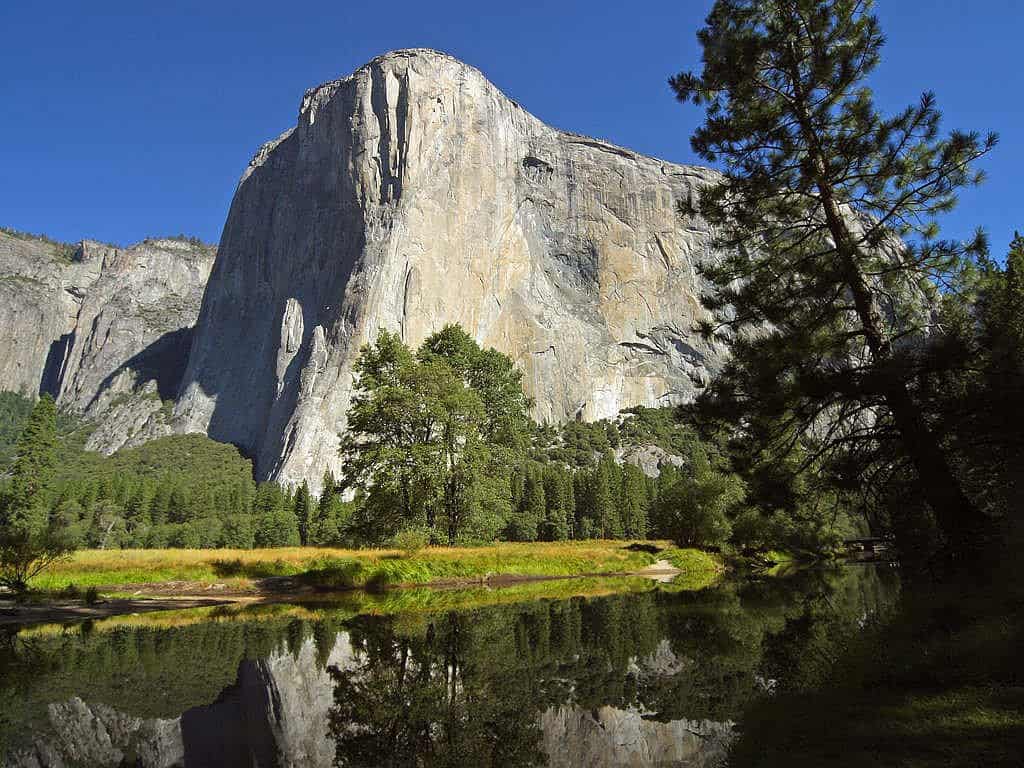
(412, 194)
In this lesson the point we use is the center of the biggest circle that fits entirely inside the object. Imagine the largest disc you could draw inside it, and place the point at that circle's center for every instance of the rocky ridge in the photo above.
(105, 330)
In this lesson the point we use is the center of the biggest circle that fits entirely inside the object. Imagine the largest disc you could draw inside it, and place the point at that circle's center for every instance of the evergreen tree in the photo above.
(558, 503)
(633, 502)
(527, 524)
(827, 211)
(606, 480)
(35, 454)
(276, 527)
(239, 531)
(28, 543)
(303, 512)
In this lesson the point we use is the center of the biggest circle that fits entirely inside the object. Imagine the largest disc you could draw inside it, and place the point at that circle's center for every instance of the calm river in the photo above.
(631, 674)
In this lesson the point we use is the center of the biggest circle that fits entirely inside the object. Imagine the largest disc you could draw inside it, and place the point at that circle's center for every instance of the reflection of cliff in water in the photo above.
(653, 679)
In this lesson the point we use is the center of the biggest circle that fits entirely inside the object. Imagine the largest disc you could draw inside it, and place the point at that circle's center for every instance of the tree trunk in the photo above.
(959, 518)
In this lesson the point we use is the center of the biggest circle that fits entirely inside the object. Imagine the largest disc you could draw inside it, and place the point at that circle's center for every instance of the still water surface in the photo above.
(634, 674)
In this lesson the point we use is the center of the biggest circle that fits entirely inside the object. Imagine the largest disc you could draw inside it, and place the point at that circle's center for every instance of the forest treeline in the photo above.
(441, 449)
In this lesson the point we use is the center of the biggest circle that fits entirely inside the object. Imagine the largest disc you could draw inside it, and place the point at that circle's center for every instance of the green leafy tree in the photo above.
(429, 434)
(28, 541)
(694, 510)
(827, 212)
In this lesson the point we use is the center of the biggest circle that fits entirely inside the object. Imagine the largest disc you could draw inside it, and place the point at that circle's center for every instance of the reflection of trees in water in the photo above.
(437, 698)
(732, 641)
(469, 688)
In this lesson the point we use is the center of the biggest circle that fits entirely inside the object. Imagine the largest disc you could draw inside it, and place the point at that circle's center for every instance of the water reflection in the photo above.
(655, 678)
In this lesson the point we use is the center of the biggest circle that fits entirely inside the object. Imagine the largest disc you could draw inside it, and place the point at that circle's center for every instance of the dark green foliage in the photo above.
(432, 437)
(14, 411)
(29, 540)
(559, 502)
(633, 502)
(178, 491)
(827, 216)
(275, 523)
(332, 523)
(303, 512)
(694, 510)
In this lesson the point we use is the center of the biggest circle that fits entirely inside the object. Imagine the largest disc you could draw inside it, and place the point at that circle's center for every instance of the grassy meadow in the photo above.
(351, 568)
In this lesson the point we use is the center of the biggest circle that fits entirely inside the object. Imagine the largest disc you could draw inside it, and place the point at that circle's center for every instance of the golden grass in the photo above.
(110, 568)
(405, 601)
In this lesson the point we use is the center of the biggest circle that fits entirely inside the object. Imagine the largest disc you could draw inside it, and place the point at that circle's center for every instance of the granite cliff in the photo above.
(412, 194)
(105, 330)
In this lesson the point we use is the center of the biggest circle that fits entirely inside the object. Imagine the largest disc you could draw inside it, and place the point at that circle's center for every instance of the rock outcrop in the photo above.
(106, 330)
(412, 194)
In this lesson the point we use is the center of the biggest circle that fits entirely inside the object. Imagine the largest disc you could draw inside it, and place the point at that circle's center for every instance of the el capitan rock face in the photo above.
(412, 194)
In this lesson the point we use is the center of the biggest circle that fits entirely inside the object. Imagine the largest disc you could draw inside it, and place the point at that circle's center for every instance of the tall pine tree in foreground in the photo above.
(27, 542)
(827, 213)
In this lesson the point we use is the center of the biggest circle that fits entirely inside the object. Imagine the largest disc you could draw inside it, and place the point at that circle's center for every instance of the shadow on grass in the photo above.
(336, 573)
(650, 549)
(252, 570)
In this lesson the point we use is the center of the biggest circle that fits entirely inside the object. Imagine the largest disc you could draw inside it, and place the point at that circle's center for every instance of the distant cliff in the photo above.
(105, 330)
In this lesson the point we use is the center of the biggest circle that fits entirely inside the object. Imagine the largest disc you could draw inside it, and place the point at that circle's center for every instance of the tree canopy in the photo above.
(827, 212)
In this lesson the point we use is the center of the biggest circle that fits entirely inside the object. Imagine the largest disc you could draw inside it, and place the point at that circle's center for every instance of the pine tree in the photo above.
(633, 502)
(35, 454)
(28, 544)
(557, 490)
(534, 509)
(303, 512)
(606, 480)
(827, 211)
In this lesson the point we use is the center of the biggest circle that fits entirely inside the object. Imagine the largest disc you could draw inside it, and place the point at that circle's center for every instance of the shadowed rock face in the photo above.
(105, 330)
(412, 194)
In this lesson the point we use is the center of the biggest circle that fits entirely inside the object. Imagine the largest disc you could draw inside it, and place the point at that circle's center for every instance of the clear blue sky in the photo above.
(120, 120)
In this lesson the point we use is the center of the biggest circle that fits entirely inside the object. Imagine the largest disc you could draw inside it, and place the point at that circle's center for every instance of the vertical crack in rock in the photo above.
(412, 194)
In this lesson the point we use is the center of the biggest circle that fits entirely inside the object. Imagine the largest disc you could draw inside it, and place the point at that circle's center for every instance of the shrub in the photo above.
(694, 510)
(410, 541)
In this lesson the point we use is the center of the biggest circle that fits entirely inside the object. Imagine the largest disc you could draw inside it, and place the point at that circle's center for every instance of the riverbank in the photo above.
(131, 581)
(939, 684)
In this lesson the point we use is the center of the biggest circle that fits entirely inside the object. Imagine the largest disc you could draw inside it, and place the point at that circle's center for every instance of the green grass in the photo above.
(359, 603)
(338, 568)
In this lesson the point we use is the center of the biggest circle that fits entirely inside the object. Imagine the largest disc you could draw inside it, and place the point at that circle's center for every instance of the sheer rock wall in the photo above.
(412, 194)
